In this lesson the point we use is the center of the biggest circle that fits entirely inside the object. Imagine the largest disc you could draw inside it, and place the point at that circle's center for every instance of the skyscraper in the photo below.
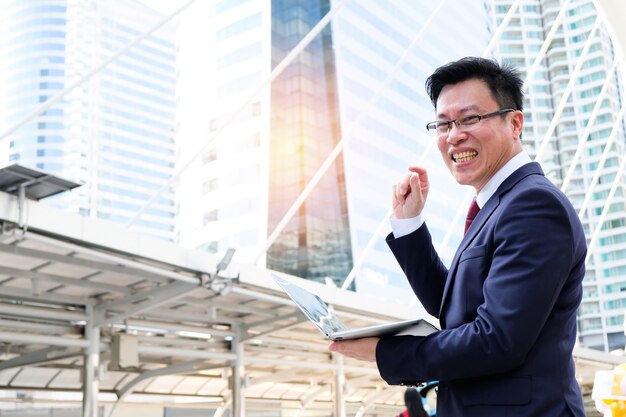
(304, 129)
(358, 85)
(114, 133)
(582, 150)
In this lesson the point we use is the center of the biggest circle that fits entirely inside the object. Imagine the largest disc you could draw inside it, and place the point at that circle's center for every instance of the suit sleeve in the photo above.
(529, 282)
(421, 264)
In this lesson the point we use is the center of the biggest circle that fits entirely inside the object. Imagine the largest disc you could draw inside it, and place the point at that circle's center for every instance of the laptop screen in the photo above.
(312, 306)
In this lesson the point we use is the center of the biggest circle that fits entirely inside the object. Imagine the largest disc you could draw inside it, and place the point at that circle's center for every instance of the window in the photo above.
(209, 186)
(209, 156)
(583, 23)
(580, 9)
(210, 216)
(240, 55)
(240, 26)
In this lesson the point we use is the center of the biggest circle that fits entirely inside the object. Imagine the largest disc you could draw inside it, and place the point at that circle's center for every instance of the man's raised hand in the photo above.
(409, 195)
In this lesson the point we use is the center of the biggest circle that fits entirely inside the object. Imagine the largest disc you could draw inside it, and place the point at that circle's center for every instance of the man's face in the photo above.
(474, 157)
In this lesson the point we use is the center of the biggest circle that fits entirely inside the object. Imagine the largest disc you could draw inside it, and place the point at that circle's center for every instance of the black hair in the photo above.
(504, 81)
(413, 402)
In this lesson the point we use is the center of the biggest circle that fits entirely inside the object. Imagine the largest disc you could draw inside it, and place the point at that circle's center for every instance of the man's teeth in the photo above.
(464, 156)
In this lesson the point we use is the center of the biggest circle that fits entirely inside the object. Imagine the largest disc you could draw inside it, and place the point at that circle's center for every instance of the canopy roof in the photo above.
(60, 273)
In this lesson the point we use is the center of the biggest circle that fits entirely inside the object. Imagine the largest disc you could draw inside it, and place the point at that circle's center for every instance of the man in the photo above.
(507, 304)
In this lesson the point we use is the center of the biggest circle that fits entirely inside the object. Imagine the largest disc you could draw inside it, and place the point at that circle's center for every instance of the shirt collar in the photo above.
(492, 185)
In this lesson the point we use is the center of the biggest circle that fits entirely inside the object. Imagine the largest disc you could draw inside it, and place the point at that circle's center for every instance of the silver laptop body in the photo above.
(329, 324)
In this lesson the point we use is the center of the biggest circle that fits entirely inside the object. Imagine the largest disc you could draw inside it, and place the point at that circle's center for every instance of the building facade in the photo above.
(113, 133)
(577, 84)
(358, 86)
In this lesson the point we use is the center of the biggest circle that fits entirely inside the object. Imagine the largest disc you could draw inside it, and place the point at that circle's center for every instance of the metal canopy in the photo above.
(67, 282)
(69, 286)
(37, 184)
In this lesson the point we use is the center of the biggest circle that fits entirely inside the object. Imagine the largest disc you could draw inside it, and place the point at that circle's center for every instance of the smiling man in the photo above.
(507, 304)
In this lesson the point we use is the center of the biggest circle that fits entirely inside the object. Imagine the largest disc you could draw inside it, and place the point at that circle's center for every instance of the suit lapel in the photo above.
(483, 215)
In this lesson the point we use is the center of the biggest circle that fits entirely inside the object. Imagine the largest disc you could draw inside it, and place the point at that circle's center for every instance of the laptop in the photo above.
(329, 324)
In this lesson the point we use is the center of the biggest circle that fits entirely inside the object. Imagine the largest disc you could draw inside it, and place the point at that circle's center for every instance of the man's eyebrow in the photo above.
(471, 107)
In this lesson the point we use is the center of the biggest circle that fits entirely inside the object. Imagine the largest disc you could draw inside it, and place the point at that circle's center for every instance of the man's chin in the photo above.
(461, 179)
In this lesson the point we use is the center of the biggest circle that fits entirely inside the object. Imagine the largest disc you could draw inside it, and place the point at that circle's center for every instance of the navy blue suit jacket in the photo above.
(507, 307)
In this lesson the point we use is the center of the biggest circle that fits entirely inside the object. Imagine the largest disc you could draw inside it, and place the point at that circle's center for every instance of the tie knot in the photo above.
(472, 212)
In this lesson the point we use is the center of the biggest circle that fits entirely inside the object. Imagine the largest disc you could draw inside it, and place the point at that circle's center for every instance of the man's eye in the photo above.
(442, 125)
(469, 120)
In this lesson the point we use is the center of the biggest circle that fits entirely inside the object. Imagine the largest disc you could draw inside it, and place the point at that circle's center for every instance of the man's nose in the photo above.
(455, 134)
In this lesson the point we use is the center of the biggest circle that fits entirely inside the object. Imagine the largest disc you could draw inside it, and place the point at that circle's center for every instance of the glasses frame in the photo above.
(461, 123)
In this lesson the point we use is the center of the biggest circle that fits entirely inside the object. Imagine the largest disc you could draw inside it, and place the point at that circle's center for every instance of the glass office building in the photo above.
(304, 129)
(358, 85)
(114, 132)
(578, 65)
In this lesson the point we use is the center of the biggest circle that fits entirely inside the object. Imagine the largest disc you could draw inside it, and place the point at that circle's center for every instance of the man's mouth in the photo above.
(464, 156)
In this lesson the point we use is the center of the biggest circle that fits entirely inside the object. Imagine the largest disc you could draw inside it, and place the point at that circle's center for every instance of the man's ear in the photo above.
(517, 122)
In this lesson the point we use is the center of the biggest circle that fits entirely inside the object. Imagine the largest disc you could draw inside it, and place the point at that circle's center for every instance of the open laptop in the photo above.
(329, 324)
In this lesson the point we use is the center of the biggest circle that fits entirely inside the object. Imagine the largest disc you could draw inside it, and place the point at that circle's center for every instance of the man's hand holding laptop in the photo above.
(362, 349)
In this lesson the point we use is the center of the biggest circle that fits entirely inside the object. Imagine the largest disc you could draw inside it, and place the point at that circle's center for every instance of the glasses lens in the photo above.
(433, 129)
(443, 127)
(468, 121)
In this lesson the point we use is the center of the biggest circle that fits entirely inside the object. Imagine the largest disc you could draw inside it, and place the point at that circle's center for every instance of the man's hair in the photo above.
(503, 81)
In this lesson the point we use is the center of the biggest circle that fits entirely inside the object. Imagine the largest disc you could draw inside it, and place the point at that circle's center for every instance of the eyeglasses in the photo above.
(464, 124)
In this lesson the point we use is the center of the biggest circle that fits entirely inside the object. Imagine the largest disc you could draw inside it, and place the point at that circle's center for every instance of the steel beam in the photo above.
(74, 282)
(157, 297)
(17, 338)
(41, 312)
(179, 368)
(48, 354)
(47, 297)
(81, 262)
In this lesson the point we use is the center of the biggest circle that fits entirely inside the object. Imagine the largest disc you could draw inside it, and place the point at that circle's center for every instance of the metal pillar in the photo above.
(340, 385)
(237, 376)
(91, 383)
(21, 201)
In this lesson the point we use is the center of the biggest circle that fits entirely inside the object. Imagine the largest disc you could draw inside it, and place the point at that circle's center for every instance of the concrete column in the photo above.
(91, 383)
(237, 377)
(340, 386)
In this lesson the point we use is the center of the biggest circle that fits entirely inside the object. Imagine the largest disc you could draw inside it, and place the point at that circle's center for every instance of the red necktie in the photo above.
(471, 214)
